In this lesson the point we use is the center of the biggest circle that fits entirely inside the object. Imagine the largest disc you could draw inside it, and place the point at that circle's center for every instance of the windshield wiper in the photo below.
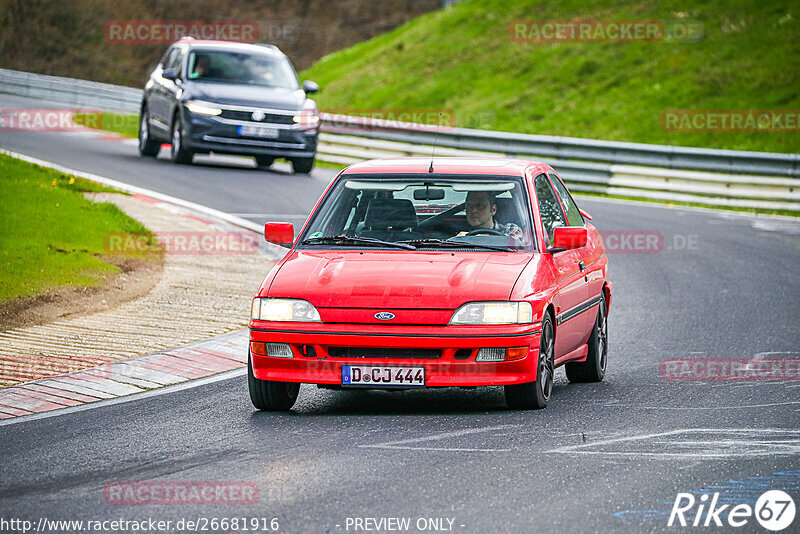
(456, 244)
(343, 239)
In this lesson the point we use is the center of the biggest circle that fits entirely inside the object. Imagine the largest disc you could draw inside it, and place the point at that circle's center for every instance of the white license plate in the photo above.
(258, 131)
(370, 375)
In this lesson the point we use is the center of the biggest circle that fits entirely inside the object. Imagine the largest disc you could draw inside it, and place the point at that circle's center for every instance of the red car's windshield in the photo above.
(470, 210)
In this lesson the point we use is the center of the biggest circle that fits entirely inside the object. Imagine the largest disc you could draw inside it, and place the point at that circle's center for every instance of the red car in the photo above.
(412, 274)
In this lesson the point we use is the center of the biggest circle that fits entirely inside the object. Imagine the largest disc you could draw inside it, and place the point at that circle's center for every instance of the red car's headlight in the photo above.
(493, 313)
(283, 310)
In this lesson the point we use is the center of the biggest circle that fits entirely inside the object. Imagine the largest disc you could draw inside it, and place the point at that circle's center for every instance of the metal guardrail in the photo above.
(516, 144)
(96, 95)
(670, 173)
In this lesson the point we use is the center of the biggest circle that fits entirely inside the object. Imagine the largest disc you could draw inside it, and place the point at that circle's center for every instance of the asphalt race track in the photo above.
(601, 457)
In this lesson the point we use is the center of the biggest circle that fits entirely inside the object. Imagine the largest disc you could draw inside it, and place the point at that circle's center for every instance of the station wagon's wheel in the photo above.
(269, 395)
(147, 147)
(594, 368)
(179, 153)
(264, 161)
(536, 394)
(302, 165)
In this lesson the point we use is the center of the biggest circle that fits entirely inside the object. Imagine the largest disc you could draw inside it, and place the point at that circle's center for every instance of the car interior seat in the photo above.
(390, 220)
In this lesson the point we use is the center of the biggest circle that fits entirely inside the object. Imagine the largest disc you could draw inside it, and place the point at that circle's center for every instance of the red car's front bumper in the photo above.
(316, 349)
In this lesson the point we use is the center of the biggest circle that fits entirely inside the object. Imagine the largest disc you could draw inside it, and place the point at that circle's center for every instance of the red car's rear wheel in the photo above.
(594, 368)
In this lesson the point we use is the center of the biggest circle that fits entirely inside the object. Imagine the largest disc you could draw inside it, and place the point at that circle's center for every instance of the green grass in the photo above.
(462, 59)
(53, 236)
(122, 124)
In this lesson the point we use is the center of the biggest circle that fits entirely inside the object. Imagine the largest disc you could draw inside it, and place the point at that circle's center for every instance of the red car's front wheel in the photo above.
(535, 395)
(269, 395)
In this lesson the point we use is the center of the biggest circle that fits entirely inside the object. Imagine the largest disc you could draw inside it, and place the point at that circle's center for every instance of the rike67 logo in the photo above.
(774, 510)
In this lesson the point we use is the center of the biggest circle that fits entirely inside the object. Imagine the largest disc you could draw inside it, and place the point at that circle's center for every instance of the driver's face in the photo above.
(480, 211)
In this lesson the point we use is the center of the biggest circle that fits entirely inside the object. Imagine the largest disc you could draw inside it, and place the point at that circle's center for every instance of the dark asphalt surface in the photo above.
(601, 457)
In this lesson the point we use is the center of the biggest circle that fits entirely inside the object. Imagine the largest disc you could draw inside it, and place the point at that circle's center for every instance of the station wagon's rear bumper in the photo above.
(319, 350)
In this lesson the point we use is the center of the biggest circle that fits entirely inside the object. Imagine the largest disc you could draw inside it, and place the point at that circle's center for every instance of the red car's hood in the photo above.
(376, 279)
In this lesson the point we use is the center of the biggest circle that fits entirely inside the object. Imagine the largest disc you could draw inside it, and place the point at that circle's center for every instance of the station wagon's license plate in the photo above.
(258, 131)
(370, 375)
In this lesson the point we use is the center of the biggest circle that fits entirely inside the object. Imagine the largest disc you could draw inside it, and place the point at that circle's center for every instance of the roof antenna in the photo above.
(436, 135)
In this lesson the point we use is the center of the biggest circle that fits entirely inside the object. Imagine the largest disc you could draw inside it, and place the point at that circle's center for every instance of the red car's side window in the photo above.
(574, 216)
(549, 207)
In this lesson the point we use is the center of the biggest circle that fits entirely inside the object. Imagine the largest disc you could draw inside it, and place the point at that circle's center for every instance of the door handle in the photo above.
(581, 265)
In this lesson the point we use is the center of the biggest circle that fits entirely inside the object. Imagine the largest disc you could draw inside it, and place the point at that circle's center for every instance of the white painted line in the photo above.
(275, 251)
(765, 405)
(443, 449)
(724, 448)
(442, 435)
(127, 398)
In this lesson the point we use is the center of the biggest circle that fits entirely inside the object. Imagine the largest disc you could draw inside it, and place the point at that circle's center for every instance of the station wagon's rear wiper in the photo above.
(455, 244)
(343, 239)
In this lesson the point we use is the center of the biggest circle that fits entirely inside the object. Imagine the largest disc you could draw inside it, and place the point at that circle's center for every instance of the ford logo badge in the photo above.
(384, 316)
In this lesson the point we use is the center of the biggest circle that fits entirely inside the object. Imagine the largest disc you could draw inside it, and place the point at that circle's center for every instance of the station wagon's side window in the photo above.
(573, 213)
(176, 61)
(549, 208)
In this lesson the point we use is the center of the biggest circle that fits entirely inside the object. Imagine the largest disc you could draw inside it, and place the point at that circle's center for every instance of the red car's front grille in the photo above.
(384, 352)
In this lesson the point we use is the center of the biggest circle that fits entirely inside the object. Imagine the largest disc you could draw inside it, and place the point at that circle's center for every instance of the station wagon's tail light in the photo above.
(477, 313)
(501, 354)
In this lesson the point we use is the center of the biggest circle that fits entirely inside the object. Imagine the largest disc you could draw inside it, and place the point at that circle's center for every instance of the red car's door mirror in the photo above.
(569, 237)
(279, 233)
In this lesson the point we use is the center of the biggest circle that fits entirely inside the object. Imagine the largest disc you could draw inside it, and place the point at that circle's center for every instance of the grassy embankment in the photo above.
(52, 236)
(463, 59)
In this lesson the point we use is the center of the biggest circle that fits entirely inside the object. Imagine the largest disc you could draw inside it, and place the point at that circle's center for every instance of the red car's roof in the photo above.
(444, 165)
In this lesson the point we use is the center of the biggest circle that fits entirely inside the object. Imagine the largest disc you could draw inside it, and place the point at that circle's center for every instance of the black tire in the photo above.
(147, 147)
(264, 161)
(271, 396)
(303, 165)
(178, 153)
(535, 395)
(594, 368)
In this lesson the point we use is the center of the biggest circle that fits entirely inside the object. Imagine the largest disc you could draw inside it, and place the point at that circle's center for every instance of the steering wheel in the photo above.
(490, 231)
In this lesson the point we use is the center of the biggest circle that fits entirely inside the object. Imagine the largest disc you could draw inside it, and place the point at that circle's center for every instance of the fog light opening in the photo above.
(279, 350)
(491, 355)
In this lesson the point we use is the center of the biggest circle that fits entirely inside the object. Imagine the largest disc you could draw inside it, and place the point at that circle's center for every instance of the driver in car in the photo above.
(481, 207)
